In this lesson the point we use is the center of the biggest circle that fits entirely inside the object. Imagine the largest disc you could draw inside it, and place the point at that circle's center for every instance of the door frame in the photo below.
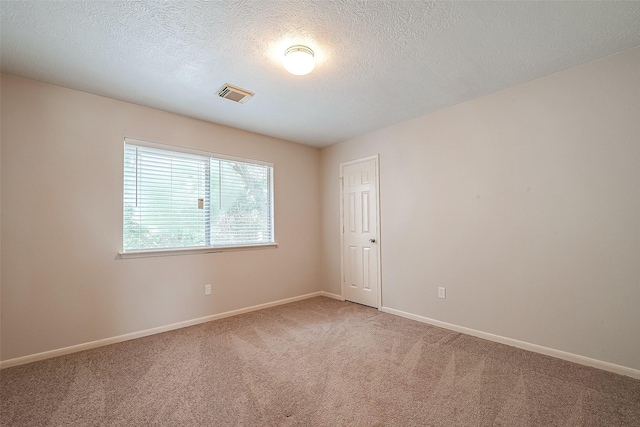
(375, 157)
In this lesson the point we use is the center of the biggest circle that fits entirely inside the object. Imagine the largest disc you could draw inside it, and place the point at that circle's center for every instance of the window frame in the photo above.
(143, 253)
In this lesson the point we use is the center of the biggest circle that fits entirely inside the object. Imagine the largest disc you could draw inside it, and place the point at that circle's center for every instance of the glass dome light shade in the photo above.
(299, 60)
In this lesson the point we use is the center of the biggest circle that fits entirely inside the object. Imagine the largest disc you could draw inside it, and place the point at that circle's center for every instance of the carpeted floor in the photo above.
(317, 362)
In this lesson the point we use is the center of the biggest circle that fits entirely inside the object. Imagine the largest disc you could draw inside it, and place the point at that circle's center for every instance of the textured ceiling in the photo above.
(379, 62)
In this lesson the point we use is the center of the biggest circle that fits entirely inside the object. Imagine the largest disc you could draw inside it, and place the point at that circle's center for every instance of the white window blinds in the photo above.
(175, 199)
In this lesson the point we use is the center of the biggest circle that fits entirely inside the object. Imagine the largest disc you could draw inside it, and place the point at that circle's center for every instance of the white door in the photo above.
(360, 242)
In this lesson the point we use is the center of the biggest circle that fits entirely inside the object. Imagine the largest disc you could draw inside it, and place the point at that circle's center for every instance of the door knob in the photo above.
(372, 240)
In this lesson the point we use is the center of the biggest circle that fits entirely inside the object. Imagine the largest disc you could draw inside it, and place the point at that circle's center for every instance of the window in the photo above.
(188, 199)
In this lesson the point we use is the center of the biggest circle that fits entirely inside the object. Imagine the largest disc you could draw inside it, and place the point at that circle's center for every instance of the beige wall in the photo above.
(524, 204)
(62, 282)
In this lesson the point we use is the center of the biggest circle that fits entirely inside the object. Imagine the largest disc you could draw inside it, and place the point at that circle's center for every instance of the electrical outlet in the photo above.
(207, 289)
(442, 293)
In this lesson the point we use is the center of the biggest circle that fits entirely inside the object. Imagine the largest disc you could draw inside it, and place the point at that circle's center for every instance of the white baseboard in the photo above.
(99, 343)
(622, 370)
(330, 295)
(606, 366)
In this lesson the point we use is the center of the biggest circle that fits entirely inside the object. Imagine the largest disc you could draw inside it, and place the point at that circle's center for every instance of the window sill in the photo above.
(190, 251)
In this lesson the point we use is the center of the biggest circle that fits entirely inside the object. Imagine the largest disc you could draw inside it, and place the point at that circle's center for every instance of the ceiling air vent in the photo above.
(235, 94)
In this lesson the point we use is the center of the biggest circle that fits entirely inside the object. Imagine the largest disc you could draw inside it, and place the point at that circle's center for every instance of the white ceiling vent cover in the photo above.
(235, 94)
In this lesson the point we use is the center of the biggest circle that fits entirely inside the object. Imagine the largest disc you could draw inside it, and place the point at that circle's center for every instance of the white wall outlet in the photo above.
(207, 289)
(442, 293)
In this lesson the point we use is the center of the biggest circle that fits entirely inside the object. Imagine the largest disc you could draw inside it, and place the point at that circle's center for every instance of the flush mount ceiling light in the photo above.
(299, 60)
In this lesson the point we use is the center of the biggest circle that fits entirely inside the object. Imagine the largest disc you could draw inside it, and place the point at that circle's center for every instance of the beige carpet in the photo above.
(317, 362)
